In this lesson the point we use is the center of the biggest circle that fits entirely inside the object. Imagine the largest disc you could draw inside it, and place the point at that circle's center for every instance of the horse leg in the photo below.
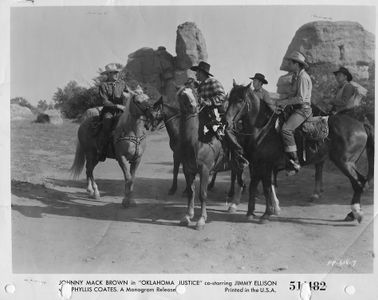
(176, 166)
(358, 182)
(122, 161)
(318, 181)
(235, 200)
(252, 193)
(204, 179)
(190, 185)
(275, 201)
(231, 191)
(133, 167)
(212, 182)
(92, 187)
(267, 187)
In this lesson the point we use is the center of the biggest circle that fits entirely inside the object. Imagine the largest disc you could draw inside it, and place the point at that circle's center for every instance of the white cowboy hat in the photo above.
(298, 57)
(111, 68)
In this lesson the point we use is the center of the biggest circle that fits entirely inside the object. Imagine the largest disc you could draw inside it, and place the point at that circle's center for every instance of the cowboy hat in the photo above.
(111, 68)
(203, 66)
(260, 77)
(298, 57)
(345, 71)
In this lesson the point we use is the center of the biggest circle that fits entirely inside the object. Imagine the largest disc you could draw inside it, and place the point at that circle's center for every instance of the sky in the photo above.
(52, 45)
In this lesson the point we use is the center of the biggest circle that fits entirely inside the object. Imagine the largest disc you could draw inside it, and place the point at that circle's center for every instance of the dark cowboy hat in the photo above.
(203, 66)
(260, 77)
(345, 71)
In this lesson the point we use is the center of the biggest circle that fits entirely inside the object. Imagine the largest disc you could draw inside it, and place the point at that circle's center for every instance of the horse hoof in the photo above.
(251, 217)
(349, 217)
(264, 220)
(276, 211)
(232, 208)
(96, 196)
(200, 224)
(358, 216)
(314, 197)
(185, 221)
(210, 187)
(171, 191)
(132, 203)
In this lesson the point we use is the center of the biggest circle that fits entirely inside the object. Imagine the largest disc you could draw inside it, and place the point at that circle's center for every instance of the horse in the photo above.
(197, 157)
(171, 116)
(128, 142)
(346, 141)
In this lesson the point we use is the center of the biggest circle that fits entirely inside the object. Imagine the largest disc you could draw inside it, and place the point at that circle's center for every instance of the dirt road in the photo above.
(56, 228)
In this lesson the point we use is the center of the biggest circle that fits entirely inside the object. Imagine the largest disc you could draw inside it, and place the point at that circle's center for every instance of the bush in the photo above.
(73, 100)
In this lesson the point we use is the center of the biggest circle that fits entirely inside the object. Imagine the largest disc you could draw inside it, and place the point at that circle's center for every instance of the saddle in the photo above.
(309, 137)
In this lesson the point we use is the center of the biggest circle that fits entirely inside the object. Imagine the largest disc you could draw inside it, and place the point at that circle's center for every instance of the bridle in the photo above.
(237, 117)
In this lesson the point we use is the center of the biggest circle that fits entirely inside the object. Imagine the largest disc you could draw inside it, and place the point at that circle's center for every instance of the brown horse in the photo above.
(171, 116)
(347, 139)
(128, 141)
(197, 157)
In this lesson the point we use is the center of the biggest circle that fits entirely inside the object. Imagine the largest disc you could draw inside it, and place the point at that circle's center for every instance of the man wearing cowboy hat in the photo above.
(211, 97)
(344, 100)
(300, 101)
(260, 92)
(111, 93)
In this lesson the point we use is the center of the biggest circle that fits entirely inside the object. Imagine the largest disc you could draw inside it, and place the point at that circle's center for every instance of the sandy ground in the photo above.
(57, 228)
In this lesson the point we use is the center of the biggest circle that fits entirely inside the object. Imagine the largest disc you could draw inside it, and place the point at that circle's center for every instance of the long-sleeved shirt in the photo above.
(302, 88)
(112, 92)
(211, 89)
(344, 97)
(263, 95)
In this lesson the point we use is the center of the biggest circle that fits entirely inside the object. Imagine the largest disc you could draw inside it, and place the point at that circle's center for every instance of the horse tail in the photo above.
(79, 161)
(370, 151)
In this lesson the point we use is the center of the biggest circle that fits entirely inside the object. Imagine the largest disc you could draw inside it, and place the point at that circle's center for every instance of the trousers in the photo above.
(288, 128)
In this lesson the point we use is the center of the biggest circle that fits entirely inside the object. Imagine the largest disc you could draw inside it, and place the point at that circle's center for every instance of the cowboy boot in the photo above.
(293, 165)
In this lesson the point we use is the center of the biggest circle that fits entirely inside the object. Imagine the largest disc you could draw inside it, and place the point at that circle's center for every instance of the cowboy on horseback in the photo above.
(111, 93)
(258, 80)
(300, 102)
(211, 99)
(344, 100)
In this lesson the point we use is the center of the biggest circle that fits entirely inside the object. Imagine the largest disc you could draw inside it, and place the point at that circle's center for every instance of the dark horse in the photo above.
(197, 157)
(347, 139)
(128, 142)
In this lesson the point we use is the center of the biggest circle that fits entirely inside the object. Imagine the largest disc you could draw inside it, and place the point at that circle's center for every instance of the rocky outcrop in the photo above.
(18, 112)
(329, 45)
(159, 72)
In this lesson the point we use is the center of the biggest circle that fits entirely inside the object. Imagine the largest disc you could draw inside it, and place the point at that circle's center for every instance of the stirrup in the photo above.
(295, 167)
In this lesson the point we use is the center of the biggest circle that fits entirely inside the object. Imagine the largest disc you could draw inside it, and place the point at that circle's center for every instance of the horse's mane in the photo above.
(126, 117)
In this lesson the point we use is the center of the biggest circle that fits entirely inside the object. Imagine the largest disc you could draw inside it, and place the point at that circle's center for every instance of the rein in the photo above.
(263, 131)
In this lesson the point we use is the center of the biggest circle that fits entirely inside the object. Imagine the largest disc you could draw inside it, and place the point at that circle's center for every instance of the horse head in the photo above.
(238, 103)
(140, 108)
(188, 100)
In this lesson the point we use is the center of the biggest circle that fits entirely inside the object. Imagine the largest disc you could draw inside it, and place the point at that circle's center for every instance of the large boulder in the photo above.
(329, 45)
(18, 112)
(190, 46)
(51, 116)
(159, 72)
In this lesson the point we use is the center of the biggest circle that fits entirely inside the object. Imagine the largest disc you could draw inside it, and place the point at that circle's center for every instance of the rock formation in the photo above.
(327, 46)
(18, 112)
(159, 72)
